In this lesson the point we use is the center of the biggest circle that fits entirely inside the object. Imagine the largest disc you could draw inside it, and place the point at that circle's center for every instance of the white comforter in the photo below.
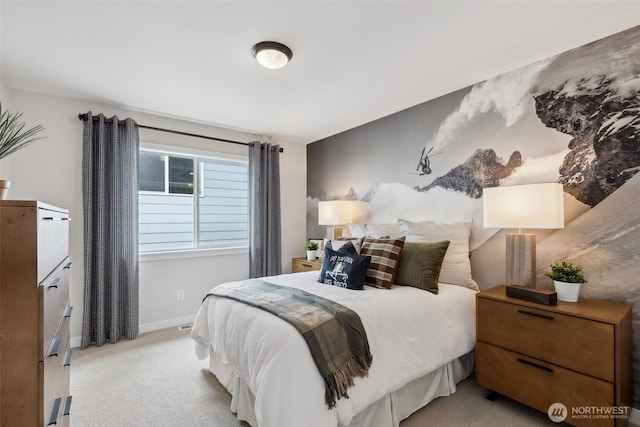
(411, 332)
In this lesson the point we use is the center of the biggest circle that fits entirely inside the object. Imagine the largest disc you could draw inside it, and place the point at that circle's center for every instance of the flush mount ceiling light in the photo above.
(272, 55)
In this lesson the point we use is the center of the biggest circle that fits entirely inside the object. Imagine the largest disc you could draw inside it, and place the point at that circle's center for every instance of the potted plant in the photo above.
(12, 138)
(567, 278)
(311, 248)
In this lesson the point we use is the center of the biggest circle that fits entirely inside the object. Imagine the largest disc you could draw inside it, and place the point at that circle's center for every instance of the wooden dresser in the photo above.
(34, 314)
(301, 264)
(576, 354)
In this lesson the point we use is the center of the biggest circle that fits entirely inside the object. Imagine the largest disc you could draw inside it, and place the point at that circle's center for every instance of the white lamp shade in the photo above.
(524, 206)
(359, 210)
(340, 212)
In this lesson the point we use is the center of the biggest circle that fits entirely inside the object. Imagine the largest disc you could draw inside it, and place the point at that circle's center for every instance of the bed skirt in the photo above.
(386, 412)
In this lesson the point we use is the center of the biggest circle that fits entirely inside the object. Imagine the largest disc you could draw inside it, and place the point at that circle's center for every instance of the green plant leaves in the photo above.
(12, 134)
(566, 271)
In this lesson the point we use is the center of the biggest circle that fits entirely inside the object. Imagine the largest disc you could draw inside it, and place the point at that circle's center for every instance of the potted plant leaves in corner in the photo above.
(13, 137)
(311, 248)
(567, 278)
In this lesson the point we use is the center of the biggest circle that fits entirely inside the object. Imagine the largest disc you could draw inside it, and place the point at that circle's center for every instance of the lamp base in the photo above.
(334, 232)
(521, 259)
(531, 294)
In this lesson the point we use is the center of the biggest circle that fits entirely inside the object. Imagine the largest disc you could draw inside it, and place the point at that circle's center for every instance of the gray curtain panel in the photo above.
(110, 198)
(265, 258)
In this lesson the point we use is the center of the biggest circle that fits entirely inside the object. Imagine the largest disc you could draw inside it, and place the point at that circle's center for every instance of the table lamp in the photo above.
(338, 213)
(523, 206)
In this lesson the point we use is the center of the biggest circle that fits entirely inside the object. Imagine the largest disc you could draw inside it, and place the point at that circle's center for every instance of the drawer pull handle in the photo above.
(68, 311)
(68, 266)
(53, 418)
(535, 365)
(307, 265)
(67, 406)
(67, 358)
(51, 218)
(54, 284)
(55, 347)
(542, 316)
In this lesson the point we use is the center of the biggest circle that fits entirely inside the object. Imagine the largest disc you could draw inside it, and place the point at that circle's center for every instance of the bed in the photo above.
(422, 346)
(265, 364)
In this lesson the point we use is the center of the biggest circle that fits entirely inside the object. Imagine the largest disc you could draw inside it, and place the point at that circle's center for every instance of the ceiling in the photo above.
(353, 61)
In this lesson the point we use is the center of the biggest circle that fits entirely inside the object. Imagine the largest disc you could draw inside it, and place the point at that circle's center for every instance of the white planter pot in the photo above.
(311, 255)
(4, 188)
(567, 292)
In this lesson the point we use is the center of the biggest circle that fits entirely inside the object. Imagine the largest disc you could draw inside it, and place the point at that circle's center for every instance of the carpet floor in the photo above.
(156, 380)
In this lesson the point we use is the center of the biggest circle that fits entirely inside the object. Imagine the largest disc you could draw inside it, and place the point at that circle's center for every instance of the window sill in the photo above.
(191, 253)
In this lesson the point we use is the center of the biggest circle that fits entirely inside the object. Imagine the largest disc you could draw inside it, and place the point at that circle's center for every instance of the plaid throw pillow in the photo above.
(385, 255)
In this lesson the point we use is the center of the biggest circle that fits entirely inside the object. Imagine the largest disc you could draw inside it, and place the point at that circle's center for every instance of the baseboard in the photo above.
(149, 327)
(168, 323)
(634, 418)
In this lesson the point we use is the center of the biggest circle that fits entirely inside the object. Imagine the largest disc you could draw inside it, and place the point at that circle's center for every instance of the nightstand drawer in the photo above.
(540, 384)
(299, 265)
(551, 335)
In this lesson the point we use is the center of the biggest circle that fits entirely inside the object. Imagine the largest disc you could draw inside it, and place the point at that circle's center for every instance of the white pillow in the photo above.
(377, 231)
(341, 241)
(456, 267)
(383, 231)
(357, 230)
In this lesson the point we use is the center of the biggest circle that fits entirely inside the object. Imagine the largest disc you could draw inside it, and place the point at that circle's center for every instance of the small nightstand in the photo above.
(301, 264)
(577, 354)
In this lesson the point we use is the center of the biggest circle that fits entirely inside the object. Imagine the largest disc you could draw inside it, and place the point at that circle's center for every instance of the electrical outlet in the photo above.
(181, 295)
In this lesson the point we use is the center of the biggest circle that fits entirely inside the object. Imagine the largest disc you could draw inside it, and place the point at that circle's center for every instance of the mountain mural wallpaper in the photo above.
(573, 119)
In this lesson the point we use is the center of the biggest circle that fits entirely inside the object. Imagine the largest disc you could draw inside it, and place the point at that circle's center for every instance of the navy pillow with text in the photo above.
(346, 270)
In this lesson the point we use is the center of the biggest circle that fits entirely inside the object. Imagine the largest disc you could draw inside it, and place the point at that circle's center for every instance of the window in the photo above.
(166, 174)
(191, 201)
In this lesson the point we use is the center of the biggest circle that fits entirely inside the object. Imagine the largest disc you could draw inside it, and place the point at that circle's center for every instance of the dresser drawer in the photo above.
(540, 384)
(53, 240)
(34, 293)
(550, 335)
(55, 374)
(53, 295)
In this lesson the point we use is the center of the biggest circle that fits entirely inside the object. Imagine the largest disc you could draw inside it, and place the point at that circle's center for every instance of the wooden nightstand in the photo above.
(577, 354)
(301, 264)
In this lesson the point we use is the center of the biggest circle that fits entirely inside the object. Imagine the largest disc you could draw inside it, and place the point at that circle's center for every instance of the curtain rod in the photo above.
(83, 117)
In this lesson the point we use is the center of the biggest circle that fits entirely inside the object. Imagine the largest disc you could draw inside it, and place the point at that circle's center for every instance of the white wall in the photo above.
(5, 100)
(51, 170)
(5, 95)
(4, 89)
